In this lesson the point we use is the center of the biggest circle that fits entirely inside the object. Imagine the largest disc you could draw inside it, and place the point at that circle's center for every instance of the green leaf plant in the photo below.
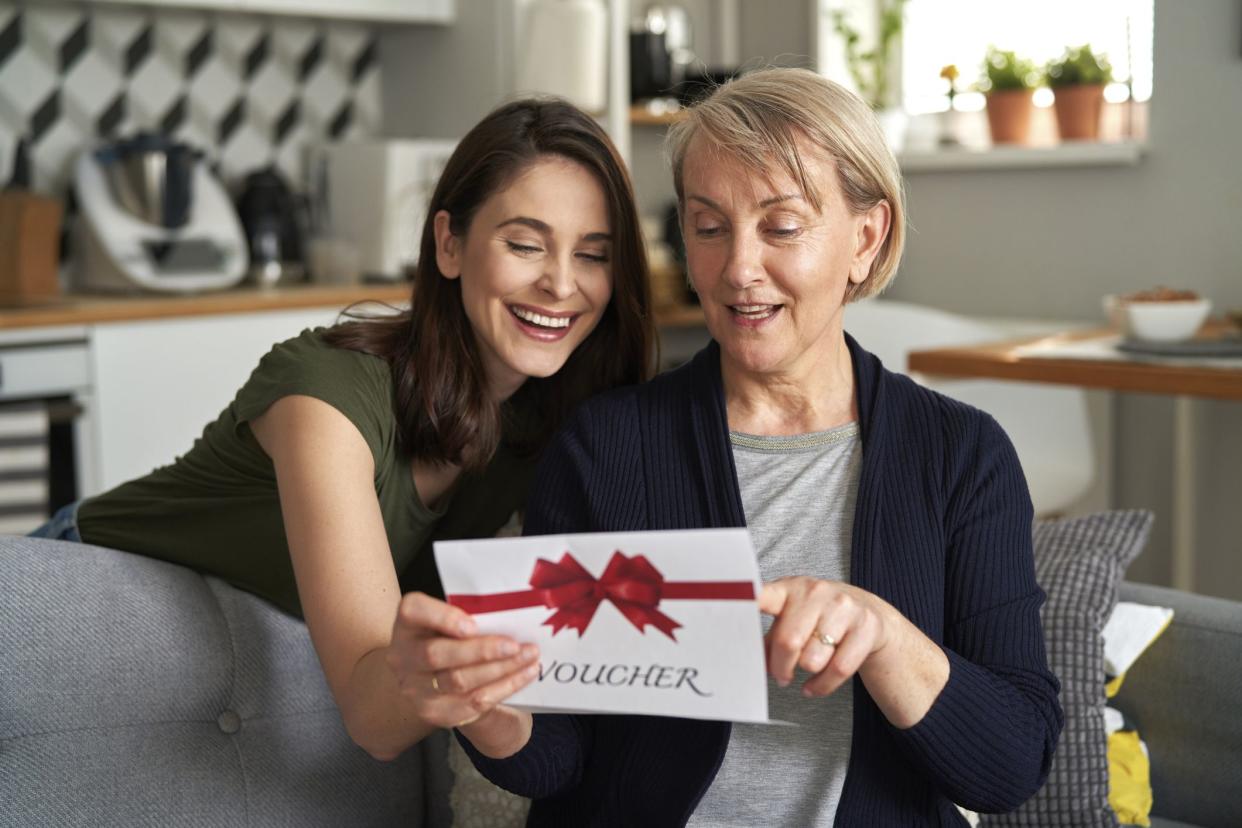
(1078, 66)
(1004, 71)
(872, 68)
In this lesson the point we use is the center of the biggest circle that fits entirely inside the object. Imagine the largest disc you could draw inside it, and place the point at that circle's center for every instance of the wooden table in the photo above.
(1012, 360)
(1184, 380)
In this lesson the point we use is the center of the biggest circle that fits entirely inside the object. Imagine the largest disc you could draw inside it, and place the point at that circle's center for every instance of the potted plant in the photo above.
(873, 69)
(1008, 82)
(1077, 80)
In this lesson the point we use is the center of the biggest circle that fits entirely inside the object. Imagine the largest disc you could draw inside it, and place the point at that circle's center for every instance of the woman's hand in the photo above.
(827, 628)
(834, 630)
(454, 677)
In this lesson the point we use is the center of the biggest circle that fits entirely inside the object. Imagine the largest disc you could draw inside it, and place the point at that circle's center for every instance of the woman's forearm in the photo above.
(378, 717)
(906, 675)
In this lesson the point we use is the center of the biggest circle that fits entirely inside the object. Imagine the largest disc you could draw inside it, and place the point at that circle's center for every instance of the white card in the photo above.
(655, 623)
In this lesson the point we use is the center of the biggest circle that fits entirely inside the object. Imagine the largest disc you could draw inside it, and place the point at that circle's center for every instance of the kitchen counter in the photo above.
(82, 309)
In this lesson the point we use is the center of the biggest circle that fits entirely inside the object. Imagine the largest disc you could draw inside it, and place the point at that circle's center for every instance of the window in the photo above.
(939, 32)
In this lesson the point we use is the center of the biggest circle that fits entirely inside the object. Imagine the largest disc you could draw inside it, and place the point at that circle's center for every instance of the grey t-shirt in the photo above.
(798, 493)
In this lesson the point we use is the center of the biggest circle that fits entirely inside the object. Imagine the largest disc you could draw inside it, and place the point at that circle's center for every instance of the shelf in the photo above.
(441, 12)
(1072, 154)
(643, 116)
(679, 316)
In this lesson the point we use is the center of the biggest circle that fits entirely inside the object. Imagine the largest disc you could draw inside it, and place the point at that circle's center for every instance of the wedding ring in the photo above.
(826, 639)
(435, 683)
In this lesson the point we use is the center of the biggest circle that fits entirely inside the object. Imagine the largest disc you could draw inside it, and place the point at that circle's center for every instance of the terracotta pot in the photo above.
(1078, 111)
(1009, 115)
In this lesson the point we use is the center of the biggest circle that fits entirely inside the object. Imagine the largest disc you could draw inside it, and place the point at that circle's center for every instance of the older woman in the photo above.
(892, 525)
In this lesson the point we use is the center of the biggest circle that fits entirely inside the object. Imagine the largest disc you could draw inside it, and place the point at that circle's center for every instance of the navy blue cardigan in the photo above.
(942, 531)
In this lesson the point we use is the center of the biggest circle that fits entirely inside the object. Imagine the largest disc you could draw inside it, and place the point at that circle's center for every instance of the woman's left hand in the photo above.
(829, 629)
(834, 630)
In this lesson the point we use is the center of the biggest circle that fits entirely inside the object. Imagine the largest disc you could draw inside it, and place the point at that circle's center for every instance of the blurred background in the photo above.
(188, 181)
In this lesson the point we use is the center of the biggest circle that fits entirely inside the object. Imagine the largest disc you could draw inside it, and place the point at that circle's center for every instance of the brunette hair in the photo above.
(444, 413)
(757, 119)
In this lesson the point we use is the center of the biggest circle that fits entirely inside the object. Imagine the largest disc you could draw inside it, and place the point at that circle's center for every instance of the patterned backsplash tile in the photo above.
(248, 90)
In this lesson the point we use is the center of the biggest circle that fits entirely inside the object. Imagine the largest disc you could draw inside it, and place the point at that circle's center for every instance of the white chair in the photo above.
(1048, 424)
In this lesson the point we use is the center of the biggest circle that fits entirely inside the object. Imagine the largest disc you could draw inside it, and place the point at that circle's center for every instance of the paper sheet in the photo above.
(658, 623)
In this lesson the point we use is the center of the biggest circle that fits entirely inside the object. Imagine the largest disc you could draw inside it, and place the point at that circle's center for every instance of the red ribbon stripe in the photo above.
(632, 584)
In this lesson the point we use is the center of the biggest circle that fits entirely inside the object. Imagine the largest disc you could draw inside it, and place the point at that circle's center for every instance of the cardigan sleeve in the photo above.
(553, 759)
(550, 762)
(988, 739)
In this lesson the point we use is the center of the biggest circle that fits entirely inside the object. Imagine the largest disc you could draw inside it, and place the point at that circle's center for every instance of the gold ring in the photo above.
(435, 683)
(826, 639)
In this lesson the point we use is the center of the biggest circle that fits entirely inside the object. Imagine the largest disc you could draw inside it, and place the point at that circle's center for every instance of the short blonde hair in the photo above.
(757, 120)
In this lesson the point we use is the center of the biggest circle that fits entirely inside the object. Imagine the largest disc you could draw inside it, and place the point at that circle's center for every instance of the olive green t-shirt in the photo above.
(216, 508)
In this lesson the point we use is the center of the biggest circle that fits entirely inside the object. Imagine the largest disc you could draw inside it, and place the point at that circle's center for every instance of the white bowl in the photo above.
(1164, 321)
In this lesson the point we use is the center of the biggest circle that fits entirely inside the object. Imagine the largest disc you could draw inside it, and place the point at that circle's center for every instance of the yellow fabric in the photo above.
(1129, 771)
(1129, 778)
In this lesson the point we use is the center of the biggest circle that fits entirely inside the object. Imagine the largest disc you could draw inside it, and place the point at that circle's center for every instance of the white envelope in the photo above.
(698, 654)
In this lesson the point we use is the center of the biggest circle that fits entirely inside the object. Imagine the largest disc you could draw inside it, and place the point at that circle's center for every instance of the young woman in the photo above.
(322, 485)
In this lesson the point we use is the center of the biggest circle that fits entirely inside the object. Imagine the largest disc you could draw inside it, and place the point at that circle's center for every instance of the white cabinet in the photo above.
(158, 383)
(457, 75)
(396, 11)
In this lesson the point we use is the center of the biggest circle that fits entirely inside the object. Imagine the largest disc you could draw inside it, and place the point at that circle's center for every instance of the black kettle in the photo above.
(274, 220)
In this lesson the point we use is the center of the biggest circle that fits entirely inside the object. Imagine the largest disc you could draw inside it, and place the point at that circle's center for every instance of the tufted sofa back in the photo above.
(136, 692)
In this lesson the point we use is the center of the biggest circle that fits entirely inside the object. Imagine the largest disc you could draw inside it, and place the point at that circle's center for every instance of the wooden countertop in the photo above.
(80, 309)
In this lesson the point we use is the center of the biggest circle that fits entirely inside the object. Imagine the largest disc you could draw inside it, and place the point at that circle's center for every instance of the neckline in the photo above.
(795, 442)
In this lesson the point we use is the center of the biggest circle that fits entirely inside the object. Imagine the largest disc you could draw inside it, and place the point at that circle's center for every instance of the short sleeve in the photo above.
(356, 384)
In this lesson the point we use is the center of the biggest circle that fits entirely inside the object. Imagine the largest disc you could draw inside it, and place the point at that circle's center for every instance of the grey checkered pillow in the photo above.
(1079, 563)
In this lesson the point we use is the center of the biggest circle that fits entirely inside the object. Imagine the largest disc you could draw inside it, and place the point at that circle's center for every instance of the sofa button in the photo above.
(229, 722)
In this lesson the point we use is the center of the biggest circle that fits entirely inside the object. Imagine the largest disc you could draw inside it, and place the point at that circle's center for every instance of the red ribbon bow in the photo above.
(633, 585)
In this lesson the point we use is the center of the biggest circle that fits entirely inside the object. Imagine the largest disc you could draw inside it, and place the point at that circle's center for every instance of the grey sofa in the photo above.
(1183, 696)
(138, 693)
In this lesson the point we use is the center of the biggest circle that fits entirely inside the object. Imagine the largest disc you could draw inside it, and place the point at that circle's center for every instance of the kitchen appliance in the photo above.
(563, 51)
(661, 51)
(154, 217)
(651, 66)
(273, 218)
(375, 195)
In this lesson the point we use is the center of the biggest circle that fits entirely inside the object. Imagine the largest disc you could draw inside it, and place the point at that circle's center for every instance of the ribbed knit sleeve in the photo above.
(987, 741)
(549, 763)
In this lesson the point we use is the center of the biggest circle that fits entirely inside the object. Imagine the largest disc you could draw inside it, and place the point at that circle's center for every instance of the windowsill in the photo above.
(1073, 154)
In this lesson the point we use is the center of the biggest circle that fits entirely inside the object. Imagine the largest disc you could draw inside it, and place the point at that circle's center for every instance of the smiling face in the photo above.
(770, 269)
(535, 270)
